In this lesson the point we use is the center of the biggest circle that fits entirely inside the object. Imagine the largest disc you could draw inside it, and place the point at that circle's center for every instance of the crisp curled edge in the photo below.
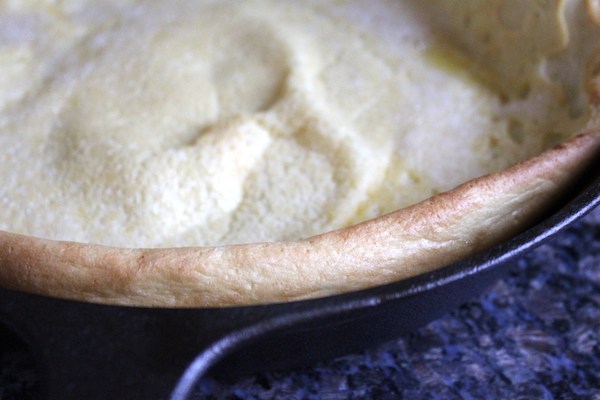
(404, 243)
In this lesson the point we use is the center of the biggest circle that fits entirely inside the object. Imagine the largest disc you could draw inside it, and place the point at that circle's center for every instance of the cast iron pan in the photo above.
(90, 351)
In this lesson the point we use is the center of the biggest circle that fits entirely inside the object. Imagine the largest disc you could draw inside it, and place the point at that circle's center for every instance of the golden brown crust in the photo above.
(407, 242)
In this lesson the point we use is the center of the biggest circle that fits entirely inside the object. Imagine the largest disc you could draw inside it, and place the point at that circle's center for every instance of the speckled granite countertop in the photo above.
(533, 335)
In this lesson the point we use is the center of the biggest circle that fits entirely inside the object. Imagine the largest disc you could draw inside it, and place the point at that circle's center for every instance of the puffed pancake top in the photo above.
(215, 153)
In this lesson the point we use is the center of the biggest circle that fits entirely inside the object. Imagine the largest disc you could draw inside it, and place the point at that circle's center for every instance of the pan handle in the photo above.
(91, 351)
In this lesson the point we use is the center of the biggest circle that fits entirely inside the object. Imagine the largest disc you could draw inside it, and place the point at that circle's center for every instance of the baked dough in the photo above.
(253, 125)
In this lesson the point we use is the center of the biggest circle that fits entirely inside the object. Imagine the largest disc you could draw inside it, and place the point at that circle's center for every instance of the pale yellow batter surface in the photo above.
(187, 123)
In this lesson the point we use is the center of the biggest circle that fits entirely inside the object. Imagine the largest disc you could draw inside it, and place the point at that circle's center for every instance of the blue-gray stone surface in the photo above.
(533, 335)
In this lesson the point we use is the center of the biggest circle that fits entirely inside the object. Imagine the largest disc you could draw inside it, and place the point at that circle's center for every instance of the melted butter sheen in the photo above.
(210, 122)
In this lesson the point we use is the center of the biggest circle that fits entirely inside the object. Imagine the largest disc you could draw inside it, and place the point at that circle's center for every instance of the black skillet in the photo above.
(90, 351)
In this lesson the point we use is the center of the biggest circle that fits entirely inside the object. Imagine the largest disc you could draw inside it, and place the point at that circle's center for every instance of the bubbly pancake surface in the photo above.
(193, 123)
